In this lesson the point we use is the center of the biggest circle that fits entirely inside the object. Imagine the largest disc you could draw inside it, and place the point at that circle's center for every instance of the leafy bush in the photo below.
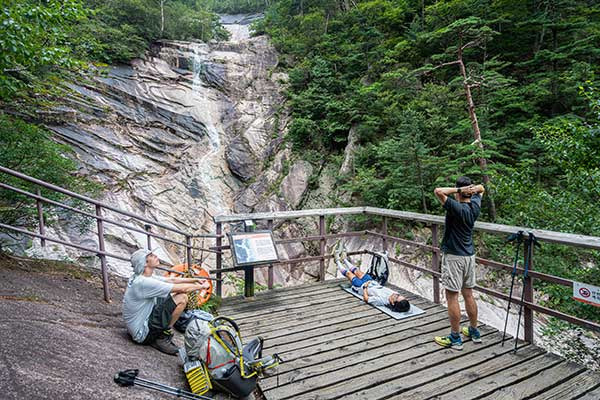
(28, 149)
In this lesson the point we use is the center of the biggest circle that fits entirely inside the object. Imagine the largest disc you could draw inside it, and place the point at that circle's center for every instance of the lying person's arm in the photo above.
(366, 292)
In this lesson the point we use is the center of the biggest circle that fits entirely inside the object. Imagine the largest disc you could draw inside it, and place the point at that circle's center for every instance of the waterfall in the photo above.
(204, 174)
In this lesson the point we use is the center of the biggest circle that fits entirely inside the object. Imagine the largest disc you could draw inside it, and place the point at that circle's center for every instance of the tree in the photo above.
(470, 33)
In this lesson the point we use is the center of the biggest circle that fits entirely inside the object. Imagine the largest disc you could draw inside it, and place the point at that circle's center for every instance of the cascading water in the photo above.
(204, 175)
(158, 134)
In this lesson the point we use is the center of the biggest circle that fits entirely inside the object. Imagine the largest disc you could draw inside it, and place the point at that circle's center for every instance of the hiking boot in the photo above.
(449, 342)
(472, 333)
(165, 344)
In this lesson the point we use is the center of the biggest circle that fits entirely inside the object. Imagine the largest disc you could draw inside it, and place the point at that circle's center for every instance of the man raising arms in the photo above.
(458, 257)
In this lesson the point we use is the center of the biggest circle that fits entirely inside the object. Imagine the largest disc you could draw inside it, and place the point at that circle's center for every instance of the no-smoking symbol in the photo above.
(584, 292)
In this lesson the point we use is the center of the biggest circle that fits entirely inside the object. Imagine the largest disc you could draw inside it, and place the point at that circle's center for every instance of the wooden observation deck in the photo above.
(335, 346)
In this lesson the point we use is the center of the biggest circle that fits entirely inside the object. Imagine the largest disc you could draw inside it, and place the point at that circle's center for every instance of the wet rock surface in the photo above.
(175, 137)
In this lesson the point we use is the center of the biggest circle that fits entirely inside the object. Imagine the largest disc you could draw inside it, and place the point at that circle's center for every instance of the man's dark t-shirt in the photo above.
(460, 218)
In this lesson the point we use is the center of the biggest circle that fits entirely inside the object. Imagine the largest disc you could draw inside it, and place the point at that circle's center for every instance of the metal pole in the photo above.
(148, 228)
(249, 270)
(270, 271)
(322, 248)
(384, 230)
(102, 256)
(41, 218)
(528, 296)
(188, 252)
(435, 263)
(219, 259)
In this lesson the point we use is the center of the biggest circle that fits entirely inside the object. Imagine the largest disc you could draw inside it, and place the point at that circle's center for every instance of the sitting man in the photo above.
(373, 293)
(152, 305)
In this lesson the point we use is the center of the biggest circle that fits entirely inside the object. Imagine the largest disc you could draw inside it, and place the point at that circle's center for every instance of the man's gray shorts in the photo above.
(458, 272)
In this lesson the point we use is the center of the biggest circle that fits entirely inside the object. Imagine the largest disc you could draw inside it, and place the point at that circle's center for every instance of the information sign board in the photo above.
(253, 248)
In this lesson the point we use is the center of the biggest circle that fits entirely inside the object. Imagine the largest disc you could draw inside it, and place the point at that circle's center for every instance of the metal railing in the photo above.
(434, 223)
(100, 219)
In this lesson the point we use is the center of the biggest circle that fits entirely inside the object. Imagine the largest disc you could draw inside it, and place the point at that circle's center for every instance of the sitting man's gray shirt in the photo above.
(140, 297)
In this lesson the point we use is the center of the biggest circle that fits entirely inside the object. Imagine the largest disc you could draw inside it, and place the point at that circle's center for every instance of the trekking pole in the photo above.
(526, 267)
(129, 378)
(529, 243)
(519, 238)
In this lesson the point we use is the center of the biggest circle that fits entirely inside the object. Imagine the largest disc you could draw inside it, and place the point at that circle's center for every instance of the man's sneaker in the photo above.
(450, 342)
(472, 333)
(165, 344)
(337, 250)
(343, 253)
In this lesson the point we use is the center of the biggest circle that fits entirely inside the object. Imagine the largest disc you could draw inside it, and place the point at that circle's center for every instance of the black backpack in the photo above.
(379, 269)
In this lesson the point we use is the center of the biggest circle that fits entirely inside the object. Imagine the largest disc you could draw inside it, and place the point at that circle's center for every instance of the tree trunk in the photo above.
(476, 132)
(162, 18)
(421, 180)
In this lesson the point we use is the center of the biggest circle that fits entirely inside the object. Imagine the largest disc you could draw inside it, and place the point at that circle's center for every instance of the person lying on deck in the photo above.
(373, 293)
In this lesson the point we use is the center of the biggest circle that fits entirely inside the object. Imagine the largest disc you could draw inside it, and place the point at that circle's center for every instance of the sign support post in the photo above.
(249, 269)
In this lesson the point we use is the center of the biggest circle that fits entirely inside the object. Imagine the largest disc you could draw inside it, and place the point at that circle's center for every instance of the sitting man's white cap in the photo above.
(138, 260)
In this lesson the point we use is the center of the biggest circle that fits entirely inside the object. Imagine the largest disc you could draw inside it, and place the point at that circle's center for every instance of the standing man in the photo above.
(458, 257)
(152, 305)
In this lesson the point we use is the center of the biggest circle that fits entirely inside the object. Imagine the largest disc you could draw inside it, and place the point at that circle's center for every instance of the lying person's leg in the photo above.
(343, 270)
(354, 279)
(352, 268)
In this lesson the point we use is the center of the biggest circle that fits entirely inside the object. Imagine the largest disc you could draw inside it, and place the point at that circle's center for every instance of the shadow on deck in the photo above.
(335, 346)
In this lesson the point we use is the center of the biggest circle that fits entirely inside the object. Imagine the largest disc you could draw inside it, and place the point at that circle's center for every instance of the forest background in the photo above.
(382, 74)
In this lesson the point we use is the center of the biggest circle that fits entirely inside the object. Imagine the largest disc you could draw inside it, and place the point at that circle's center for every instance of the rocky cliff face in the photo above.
(178, 136)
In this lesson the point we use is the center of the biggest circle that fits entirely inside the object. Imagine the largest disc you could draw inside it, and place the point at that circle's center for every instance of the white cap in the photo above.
(138, 260)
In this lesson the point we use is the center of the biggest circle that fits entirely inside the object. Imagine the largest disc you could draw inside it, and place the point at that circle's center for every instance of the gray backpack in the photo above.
(232, 367)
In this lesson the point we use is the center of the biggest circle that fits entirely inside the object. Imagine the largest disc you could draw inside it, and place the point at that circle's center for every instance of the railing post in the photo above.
(41, 218)
(322, 248)
(219, 259)
(384, 230)
(102, 256)
(528, 296)
(435, 263)
(188, 251)
(148, 228)
(270, 271)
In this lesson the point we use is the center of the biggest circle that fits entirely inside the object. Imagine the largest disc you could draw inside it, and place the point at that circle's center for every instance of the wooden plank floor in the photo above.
(334, 346)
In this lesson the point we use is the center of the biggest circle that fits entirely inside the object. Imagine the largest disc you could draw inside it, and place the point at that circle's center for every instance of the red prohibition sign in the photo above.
(584, 292)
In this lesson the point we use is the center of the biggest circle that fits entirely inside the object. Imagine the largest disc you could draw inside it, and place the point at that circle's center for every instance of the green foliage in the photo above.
(238, 282)
(28, 148)
(41, 38)
(33, 39)
(236, 6)
(117, 31)
(384, 69)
